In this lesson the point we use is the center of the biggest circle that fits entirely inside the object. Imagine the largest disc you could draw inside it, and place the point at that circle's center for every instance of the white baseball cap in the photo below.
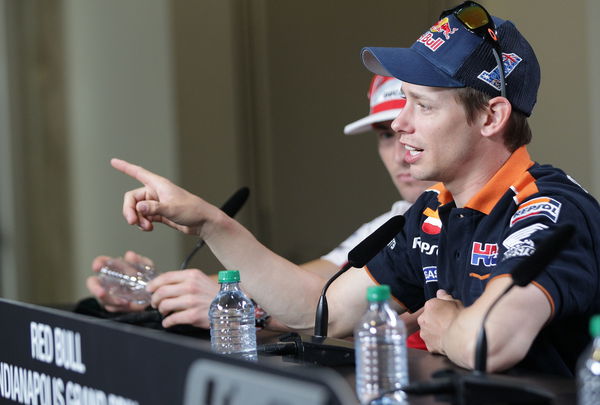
(386, 101)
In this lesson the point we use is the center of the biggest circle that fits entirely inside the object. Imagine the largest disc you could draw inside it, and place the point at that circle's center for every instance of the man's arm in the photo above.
(283, 289)
(511, 327)
(321, 267)
(347, 301)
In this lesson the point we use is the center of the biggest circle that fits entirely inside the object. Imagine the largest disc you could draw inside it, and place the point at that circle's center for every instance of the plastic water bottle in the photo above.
(127, 280)
(232, 324)
(381, 360)
(588, 368)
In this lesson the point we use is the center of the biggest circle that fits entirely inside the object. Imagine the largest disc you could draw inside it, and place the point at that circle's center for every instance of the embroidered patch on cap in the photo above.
(510, 62)
(545, 206)
(443, 26)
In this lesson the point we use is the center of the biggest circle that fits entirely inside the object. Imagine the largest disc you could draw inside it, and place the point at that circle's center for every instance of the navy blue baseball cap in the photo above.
(450, 55)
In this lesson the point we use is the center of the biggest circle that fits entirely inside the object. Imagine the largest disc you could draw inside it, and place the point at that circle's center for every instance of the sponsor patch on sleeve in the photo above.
(545, 206)
(518, 243)
(430, 273)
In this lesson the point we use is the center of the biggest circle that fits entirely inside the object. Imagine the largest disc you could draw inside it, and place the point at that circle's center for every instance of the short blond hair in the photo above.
(518, 132)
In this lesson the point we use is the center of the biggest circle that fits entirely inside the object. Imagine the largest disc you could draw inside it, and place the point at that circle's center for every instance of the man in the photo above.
(463, 126)
(494, 206)
(183, 296)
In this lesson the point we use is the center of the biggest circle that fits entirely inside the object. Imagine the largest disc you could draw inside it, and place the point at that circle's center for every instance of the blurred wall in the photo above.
(216, 94)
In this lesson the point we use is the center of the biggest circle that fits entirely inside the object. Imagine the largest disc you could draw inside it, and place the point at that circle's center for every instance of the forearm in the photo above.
(509, 329)
(458, 343)
(504, 349)
(282, 288)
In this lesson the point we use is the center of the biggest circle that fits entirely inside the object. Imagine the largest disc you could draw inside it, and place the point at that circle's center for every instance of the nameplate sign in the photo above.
(53, 357)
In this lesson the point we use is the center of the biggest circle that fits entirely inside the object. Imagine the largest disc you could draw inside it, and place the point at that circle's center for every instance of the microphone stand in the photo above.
(322, 314)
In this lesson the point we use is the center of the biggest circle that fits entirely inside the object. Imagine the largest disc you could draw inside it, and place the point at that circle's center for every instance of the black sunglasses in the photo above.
(476, 19)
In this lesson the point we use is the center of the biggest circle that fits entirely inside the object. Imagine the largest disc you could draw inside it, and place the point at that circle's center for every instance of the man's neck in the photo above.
(466, 186)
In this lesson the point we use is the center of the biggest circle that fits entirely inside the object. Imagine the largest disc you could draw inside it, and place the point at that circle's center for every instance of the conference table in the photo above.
(59, 357)
(422, 365)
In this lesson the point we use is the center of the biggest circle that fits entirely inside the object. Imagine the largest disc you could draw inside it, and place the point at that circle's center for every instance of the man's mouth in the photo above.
(412, 150)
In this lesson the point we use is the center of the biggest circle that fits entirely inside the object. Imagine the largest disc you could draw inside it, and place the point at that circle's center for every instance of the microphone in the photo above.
(234, 203)
(231, 208)
(523, 274)
(478, 387)
(357, 257)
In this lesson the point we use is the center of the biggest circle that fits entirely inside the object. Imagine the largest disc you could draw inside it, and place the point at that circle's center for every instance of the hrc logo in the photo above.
(510, 62)
(545, 206)
(488, 254)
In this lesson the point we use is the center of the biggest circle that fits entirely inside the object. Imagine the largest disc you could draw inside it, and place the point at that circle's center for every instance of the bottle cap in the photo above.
(229, 276)
(595, 326)
(378, 293)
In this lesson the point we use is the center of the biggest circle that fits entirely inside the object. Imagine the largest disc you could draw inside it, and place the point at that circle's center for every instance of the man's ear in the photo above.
(496, 116)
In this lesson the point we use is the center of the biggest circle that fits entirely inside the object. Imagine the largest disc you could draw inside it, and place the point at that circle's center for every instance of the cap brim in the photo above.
(406, 64)
(366, 124)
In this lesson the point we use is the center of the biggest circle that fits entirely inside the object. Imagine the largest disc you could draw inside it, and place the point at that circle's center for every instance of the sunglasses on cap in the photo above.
(476, 19)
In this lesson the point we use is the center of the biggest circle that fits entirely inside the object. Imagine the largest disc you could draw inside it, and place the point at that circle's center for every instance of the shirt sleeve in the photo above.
(570, 281)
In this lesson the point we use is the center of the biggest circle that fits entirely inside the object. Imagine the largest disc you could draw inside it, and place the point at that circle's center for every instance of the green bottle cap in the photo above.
(378, 293)
(595, 326)
(229, 276)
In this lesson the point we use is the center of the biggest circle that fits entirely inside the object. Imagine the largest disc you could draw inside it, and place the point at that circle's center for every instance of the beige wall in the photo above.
(562, 117)
(222, 93)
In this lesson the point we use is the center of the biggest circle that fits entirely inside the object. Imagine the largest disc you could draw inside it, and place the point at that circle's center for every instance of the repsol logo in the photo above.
(424, 247)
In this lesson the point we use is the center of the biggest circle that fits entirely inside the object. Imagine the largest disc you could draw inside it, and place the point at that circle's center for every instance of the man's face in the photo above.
(392, 155)
(437, 141)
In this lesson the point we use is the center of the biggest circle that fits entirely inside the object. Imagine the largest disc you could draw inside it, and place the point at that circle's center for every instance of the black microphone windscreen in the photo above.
(372, 244)
(546, 251)
(236, 201)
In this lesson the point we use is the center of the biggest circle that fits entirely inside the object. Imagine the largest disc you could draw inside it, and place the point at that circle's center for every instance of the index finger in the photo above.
(142, 175)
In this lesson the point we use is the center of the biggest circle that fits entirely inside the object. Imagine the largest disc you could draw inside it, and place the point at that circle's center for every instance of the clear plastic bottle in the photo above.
(588, 368)
(232, 322)
(127, 280)
(381, 358)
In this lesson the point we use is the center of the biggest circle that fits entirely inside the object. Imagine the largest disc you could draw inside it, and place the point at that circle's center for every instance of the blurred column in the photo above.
(120, 102)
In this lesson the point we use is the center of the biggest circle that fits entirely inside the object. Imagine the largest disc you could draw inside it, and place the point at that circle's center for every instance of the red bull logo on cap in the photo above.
(443, 26)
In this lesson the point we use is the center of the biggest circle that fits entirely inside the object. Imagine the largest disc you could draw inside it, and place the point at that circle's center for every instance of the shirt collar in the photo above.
(487, 198)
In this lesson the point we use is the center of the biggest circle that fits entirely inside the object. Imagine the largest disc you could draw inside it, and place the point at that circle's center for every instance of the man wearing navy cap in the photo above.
(470, 83)
(465, 124)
